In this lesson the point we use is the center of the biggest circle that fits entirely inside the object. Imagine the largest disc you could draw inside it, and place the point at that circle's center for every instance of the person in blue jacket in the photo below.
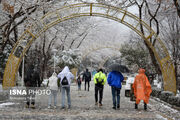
(114, 80)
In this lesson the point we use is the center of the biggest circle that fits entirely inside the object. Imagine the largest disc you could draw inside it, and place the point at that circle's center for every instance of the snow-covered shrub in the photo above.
(165, 95)
(173, 100)
(4, 95)
(156, 92)
(71, 58)
(178, 102)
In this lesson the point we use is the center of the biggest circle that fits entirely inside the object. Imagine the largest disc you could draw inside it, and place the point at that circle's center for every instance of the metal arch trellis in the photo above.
(107, 58)
(89, 9)
(96, 48)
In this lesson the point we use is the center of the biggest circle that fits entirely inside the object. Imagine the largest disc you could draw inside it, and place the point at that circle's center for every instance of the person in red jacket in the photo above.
(142, 88)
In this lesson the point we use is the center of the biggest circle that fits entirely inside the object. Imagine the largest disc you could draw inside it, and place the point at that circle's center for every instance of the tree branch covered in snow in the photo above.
(71, 58)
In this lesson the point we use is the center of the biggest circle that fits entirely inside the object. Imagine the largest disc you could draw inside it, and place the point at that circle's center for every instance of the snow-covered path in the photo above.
(83, 108)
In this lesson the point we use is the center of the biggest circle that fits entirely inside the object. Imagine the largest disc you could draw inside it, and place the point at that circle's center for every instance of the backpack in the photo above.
(88, 76)
(99, 82)
(64, 81)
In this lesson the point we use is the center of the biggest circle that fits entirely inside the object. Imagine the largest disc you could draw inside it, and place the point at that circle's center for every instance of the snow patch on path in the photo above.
(6, 104)
(0, 87)
(161, 117)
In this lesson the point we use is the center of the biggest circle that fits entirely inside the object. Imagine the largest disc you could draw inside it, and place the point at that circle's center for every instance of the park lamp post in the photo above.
(22, 79)
(54, 51)
(91, 66)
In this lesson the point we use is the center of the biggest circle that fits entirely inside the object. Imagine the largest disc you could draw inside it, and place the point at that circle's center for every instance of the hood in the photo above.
(54, 74)
(141, 71)
(65, 70)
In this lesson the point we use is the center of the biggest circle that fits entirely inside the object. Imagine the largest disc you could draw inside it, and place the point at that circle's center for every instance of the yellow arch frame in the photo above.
(93, 49)
(89, 51)
(89, 9)
(106, 59)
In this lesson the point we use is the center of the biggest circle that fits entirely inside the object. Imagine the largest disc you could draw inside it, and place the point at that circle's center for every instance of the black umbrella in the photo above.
(118, 67)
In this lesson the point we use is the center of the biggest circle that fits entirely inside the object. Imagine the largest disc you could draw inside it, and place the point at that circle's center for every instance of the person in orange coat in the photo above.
(142, 88)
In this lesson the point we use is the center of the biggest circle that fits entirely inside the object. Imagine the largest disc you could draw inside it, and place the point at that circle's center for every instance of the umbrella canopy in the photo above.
(118, 67)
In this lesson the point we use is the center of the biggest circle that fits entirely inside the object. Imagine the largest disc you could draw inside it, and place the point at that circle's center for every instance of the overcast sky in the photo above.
(110, 32)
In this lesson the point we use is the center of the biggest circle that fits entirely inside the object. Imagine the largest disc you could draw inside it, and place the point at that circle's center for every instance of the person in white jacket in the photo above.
(65, 79)
(53, 86)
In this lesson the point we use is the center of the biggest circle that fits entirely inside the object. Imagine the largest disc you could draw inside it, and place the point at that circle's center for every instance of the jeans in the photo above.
(87, 82)
(79, 86)
(116, 94)
(67, 89)
(100, 90)
(51, 96)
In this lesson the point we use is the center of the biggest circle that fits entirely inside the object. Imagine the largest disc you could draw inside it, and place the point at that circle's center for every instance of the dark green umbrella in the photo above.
(117, 67)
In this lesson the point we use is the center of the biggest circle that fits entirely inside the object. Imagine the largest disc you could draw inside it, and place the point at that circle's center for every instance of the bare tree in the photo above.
(171, 32)
(141, 5)
(153, 17)
(177, 4)
(9, 27)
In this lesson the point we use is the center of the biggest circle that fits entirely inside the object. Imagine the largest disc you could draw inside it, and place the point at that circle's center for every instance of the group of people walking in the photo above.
(141, 86)
(86, 77)
(65, 77)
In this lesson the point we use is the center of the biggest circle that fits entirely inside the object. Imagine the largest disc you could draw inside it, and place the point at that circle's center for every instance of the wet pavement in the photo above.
(83, 108)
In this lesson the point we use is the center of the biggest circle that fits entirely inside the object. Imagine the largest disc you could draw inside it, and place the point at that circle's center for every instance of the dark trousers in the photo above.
(30, 97)
(86, 82)
(116, 95)
(99, 89)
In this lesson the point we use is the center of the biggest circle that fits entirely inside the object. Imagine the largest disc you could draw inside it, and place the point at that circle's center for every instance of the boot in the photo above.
(145, 106)
(118, 107)
(100, 104)
(136, 106)
(27, 105)
(32, 106)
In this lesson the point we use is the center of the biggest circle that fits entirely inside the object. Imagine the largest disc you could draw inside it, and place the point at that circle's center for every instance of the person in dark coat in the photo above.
(36, 78)
(115, 79)
(87, 78)
(32, 80)
(28, 76)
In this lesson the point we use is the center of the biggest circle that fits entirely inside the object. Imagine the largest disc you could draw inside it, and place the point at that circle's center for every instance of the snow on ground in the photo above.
(6, 104)
(161, 117)
(83, 108)
(178, 94)
(164, 108)
(169, 108)
(0, 87)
